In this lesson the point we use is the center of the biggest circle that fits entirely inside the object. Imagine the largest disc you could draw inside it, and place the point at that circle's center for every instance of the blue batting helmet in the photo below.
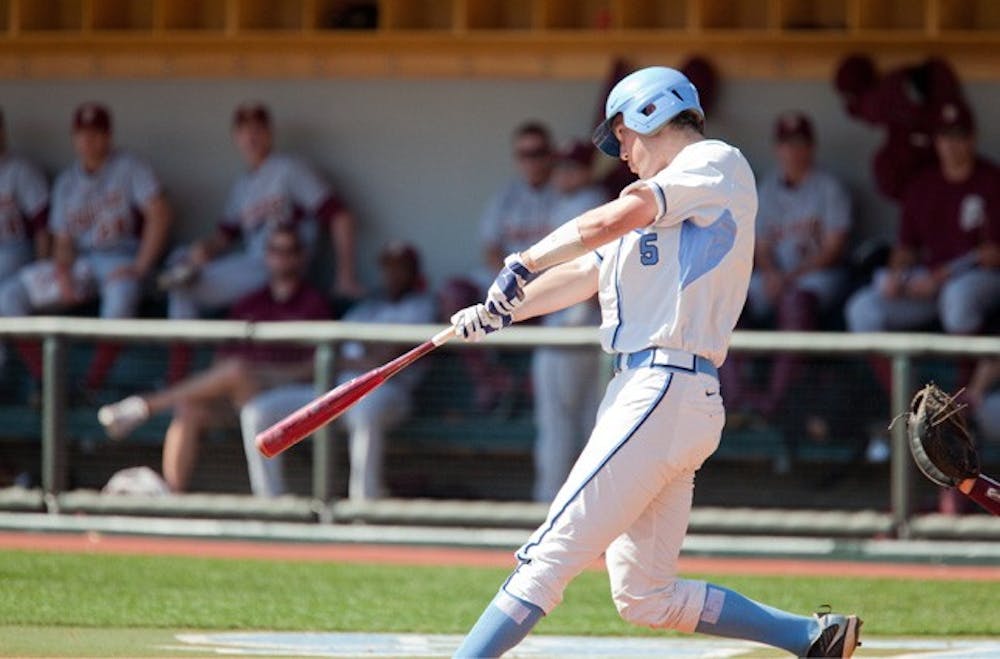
(647, 99)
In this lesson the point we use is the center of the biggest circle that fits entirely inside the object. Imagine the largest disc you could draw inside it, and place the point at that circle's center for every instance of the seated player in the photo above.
(403, 300)
(276, 190)
(110, 222)
(24, 210)
(263, 381)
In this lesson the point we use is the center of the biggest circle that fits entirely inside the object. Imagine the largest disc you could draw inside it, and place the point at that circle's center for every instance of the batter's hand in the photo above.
(507, 291)
(475, 322)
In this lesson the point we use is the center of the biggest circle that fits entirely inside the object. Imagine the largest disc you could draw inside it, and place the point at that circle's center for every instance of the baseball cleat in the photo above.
(121, 418)
(839, 635)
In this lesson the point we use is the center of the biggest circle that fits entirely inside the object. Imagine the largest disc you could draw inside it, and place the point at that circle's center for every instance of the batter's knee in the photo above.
(676, 605)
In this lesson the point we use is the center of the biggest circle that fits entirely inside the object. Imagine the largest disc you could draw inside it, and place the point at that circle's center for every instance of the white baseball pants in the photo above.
(629, 495)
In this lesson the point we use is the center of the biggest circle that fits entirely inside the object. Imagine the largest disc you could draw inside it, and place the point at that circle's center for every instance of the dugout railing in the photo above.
(56, 334)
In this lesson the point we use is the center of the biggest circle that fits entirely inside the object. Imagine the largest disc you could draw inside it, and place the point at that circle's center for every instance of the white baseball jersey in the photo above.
(682, 282)
(518, 216)
(24, 195)
(795, 219)
(282, 190)
(102, 211)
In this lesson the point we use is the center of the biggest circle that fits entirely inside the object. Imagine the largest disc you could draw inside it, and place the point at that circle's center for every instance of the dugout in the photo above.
(396, 100)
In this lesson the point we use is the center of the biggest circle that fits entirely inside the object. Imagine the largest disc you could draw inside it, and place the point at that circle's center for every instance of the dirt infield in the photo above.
(406, 555)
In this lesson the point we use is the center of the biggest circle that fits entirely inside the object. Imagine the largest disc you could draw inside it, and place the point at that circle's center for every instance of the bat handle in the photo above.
(444, 336)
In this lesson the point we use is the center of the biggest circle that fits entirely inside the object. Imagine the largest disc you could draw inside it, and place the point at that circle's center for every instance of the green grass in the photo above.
(104, 591)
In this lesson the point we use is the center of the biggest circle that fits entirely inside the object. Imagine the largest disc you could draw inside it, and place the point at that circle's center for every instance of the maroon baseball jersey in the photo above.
(942, 221)
(307, 303)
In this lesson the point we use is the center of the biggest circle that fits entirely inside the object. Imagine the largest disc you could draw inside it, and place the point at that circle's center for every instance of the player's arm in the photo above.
(635, 209)
(562, 286)
(155, 232)
(41, 237)
(208, 248)
(587, 232)
(343, 234)
(63, 251)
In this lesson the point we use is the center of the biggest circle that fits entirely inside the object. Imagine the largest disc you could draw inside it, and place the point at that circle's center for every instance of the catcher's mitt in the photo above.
(939, 439)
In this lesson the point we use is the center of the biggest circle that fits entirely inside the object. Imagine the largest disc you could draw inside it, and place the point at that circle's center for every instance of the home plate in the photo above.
(315, 644)
(440, 645)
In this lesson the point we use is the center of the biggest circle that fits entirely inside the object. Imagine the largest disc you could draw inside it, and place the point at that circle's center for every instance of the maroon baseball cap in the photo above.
(576, 152)
(954, 117)
(252, 112)
(92, 116)
(793, 125)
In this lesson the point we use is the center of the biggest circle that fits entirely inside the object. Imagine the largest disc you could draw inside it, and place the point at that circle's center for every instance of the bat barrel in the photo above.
(303, 422)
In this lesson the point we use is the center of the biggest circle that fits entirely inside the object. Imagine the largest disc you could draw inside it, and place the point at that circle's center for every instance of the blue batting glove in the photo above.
(507, 291)
(475, 322)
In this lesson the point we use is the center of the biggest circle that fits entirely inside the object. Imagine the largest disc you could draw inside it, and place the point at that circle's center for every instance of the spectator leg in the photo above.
(566, 397)
(181, 444)
(119, 299)
(258, 414)
(797, 311)
(967, 300)
(14, 303)
(367, 423)
(230, 379)
(869, 311)
(733, 374)
(179, 362)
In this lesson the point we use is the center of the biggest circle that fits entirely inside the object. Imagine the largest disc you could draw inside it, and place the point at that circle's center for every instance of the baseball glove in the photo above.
(939, 439)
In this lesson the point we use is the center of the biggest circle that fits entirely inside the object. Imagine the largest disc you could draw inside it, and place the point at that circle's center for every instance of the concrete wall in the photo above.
(415, 159)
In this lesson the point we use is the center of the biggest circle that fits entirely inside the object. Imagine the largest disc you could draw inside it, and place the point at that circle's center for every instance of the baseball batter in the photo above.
(670, 260)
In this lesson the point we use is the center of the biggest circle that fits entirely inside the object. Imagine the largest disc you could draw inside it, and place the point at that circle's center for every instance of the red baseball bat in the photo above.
(303, 422)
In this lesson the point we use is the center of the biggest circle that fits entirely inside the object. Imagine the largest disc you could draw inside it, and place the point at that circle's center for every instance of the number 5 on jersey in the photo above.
(649, 254)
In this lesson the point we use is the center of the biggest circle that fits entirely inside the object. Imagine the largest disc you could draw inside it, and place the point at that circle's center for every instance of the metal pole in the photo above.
(901, 465)
(53, 409)
(322, 451)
